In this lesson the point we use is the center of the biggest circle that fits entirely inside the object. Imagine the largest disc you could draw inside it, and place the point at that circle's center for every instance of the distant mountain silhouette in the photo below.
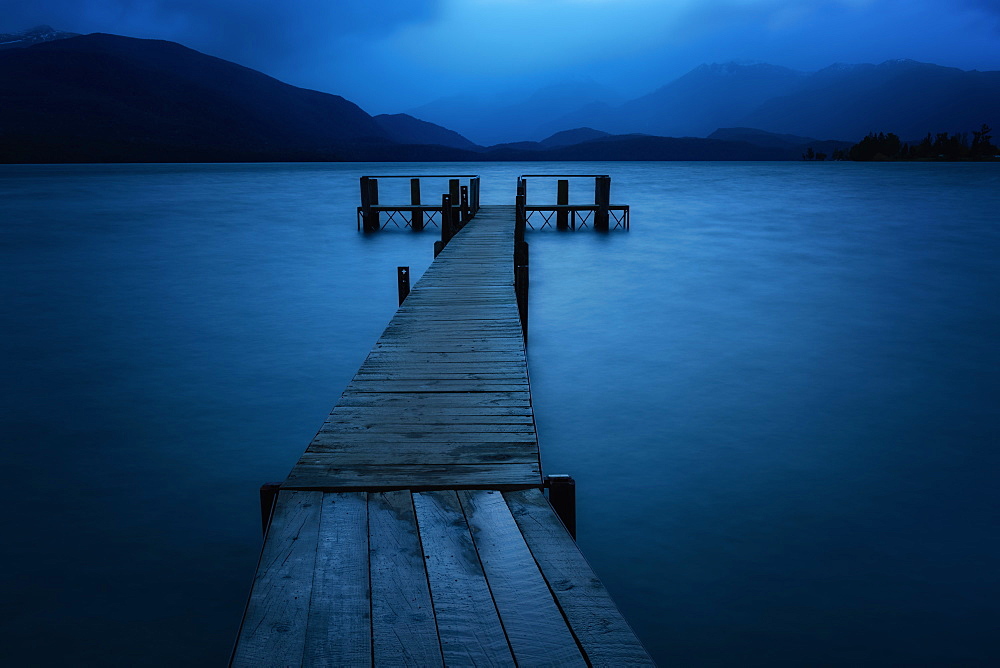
(570, 137)
(762, 138)
(643, 147)
(707, 98)
(490, 121)
(795, 144)
(904, 96)
(840, 102)
(406, 129)
(109, 98)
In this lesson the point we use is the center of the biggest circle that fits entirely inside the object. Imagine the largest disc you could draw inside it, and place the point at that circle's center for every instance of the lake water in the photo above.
(778, 394)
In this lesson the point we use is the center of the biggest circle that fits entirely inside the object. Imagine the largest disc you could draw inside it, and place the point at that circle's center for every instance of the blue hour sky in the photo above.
(392, 55)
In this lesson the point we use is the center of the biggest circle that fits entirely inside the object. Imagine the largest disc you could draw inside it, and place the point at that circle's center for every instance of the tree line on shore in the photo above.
(939, 147)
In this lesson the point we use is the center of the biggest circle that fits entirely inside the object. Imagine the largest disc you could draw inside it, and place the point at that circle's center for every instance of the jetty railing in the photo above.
(374, 216)
(565, 216)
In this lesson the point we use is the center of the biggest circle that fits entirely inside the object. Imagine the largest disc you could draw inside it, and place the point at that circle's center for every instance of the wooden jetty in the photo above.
(414, 529)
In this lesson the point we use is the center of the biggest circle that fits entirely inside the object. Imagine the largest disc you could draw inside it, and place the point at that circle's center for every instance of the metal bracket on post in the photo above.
(268, 498)
(403, 282)
(562, 498)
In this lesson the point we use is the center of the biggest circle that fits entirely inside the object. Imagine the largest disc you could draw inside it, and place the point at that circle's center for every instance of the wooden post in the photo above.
(455, 195)
(372, 222)
(521, 293)
(466, 214)
(268, 497)
(474, 195)
(365, 203)
(562, 199)
(602, 198)
(403, 282)
(520, 219)
(416, 217)
(562, 498)
(447, 230)
(369, 198)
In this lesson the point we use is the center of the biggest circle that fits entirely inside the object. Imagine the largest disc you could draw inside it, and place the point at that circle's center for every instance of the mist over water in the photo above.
(777, 392)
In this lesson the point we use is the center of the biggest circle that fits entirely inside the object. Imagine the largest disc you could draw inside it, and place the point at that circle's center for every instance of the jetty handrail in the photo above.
(565, 213)
(424, 176)
(564, 176)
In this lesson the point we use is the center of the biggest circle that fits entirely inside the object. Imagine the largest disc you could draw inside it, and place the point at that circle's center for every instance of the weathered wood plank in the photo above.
(434, 386)
(436, 399)
(468, 624)
(419, 428)
(425, 453)
(404, 628)
(415, 373)
(417, 434)
(535, 627)
(604, 635)
(340, 631)
(490, 414)
(276, 618)
(315, 471)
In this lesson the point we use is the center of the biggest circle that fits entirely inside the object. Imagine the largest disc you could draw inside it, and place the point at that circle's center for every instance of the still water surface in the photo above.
(778, 394)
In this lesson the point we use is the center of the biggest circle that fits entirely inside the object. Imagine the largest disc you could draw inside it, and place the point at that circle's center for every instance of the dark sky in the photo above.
(392, 55)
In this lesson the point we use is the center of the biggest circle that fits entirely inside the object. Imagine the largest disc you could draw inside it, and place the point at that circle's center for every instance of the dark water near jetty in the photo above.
(778, 394)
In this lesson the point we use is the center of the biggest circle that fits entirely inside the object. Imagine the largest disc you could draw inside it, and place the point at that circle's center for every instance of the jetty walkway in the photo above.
(413, 530)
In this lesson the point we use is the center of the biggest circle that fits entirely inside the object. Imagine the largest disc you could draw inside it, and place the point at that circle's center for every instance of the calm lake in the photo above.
(778, 394)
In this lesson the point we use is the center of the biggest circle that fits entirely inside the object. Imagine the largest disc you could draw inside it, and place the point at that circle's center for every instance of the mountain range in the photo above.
(107, 98)
(842, 102)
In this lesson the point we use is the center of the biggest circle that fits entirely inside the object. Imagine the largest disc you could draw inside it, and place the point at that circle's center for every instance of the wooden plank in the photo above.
(274, 625)
(468, 625)
(604, 635)
(340, 631)
(436, 399)
(510, 359)
(375, 375)
(416, 435)
(535, 627)
(491, 414)
(318, 472)
(404, 629)
(419, 454)
(418, 428)
(436, 386)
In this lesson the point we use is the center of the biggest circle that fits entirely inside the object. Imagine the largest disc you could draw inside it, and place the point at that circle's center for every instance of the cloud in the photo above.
(247, 31)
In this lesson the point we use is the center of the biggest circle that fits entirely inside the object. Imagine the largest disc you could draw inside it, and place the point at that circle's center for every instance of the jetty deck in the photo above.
(413, 530)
